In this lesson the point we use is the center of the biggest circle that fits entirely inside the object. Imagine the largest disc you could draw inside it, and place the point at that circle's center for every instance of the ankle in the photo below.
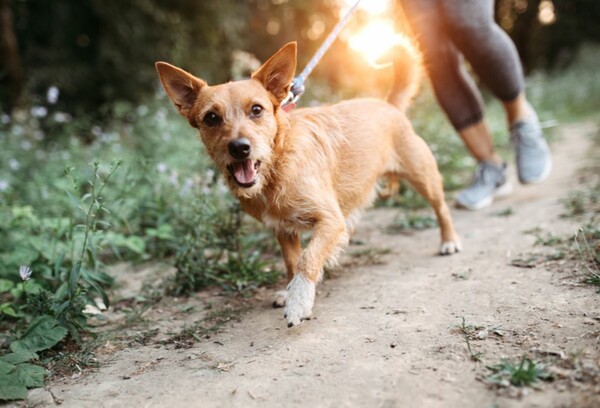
(494, 159)
(518, 110)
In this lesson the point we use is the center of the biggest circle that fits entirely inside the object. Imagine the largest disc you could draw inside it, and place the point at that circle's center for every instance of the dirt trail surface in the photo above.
(385, 332)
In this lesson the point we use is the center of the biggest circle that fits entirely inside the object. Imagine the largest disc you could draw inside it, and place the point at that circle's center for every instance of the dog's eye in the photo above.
(256, 110)
(212, 119)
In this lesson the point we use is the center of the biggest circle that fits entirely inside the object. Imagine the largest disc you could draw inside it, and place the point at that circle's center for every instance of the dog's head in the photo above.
(238, 121)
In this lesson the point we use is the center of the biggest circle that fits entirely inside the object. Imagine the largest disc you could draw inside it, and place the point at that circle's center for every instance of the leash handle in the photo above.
(297, 87)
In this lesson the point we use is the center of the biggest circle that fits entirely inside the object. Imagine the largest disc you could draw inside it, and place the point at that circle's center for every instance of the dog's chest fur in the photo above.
(279, 213)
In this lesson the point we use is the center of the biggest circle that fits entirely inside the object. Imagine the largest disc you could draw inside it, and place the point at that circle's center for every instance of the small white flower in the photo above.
(97, 131)
(26, 145)
(25, 272)
(4, 118)
(188, 185)
(14, 164)
(161, 167)
(174, 178)
(38, 135)
(142, 110)
(39, 111)
(52, 95)
(61, 117)
(4, 185)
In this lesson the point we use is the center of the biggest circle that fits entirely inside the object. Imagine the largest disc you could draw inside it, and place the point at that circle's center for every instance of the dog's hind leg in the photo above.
(422, 173)
(291, 249)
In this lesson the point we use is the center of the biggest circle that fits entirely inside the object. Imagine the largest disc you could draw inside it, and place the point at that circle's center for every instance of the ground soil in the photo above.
(386, 327)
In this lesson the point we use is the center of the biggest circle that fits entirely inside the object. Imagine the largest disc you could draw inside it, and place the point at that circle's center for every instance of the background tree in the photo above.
(11, 74)
(97, 52)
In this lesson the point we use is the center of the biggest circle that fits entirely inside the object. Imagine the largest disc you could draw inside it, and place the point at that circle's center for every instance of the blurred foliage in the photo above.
(554, 43)
(100, 51)
(96, 52)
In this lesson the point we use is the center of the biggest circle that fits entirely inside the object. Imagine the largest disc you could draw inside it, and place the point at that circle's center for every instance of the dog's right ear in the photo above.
(181, 87)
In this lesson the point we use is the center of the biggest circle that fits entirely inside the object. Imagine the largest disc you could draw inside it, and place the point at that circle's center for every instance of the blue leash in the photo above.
(297, 88)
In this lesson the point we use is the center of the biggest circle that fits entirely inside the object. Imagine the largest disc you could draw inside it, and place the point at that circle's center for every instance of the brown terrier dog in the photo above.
(312, 169)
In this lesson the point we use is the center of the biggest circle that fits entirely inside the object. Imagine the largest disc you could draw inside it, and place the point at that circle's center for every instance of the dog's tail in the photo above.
(408, 72)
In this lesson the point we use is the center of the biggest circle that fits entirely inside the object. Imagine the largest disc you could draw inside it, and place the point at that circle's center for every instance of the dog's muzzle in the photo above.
(243, 170)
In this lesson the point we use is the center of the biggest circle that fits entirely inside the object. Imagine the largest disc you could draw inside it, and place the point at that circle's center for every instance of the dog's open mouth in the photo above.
(245, 173)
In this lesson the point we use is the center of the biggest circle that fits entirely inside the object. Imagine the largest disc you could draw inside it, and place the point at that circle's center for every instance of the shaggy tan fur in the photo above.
(312, 169)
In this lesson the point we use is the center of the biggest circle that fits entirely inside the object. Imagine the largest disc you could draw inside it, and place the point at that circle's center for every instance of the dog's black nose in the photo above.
(239, 149)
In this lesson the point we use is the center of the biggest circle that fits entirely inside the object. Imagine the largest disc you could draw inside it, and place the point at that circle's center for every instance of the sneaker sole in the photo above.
(501, 191)
(541, 178)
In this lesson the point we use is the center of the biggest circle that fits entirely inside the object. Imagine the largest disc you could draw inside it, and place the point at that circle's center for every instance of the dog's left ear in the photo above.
(277, 73)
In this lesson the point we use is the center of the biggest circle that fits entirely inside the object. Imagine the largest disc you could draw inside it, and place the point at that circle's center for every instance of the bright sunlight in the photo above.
(375, 39)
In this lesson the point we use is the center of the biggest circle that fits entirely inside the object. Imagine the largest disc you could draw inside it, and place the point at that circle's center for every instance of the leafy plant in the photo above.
(16, 371)
(523, 374)
(56, 314)
(217, 251)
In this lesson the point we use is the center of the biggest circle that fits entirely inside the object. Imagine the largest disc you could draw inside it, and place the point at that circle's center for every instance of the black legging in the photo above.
(448, 29)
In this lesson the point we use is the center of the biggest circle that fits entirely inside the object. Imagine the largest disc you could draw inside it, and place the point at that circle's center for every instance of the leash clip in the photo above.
(296, 90)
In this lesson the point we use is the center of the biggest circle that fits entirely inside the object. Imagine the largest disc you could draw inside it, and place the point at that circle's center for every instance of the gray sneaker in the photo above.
(533, 154)
(489, 182)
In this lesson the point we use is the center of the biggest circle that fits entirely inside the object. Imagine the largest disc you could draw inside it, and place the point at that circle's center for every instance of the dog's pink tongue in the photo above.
(244, 172)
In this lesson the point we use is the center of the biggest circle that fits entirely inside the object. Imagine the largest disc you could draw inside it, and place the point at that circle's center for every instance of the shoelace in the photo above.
(526, 141)
(484, 173)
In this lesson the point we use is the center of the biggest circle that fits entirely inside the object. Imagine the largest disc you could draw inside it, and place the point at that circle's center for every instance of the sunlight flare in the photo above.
(375, 39)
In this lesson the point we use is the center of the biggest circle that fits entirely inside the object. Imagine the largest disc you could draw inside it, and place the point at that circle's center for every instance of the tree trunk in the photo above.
(523, 33)
(9, 55)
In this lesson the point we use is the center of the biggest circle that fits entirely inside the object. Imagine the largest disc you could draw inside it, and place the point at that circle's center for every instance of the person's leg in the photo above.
(518, 109)
(493, 56)
(460, 99)
(478, 140)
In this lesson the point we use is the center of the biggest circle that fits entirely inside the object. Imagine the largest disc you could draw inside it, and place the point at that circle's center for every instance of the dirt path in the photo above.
(385, 334)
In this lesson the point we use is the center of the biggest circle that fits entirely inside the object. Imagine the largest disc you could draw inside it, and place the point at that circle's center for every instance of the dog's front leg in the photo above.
(290, 248)
(329, 234)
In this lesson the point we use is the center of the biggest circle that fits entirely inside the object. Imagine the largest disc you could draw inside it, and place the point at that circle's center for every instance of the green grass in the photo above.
(525, 373)
(468, 332)
(410, 221)
(507, 212)
(587, 244)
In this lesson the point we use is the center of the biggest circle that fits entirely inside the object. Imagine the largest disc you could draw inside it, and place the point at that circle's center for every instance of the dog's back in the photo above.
(355, 142)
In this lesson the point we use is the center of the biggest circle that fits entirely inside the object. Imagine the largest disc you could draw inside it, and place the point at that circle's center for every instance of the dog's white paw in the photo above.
(280, 298)
(450, 247)
(299, 301)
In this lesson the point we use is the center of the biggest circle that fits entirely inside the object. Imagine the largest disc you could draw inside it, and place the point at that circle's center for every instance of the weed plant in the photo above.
(525, 373)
